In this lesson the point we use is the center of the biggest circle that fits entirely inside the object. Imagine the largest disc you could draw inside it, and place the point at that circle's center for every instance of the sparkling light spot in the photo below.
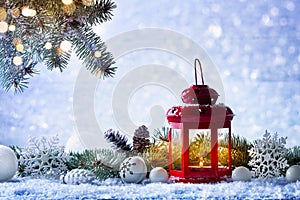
(266, 20)
(254, 75)
(65, 45)
(274, 11)
(215, 30)
(290, 6)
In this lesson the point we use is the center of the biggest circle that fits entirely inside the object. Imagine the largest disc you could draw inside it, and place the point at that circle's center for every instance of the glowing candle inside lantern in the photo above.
(201, 162)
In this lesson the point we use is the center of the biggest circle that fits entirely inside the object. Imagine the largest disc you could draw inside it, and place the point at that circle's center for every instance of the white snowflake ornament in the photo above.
(268, 156)
(44, 157)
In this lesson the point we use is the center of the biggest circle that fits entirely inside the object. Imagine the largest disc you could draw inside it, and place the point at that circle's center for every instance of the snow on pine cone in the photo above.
(78, 176)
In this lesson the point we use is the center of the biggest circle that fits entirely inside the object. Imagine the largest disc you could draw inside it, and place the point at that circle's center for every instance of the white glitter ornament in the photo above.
(293, 173)
(158, 174)
(8, 163)
(241, 174)
(133, 170)
(78, 176)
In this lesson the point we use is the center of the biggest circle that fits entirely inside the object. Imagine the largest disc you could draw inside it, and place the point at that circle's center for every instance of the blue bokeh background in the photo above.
(255, 46)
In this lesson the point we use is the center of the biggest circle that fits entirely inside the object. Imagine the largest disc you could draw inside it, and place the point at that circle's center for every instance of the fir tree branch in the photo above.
(53, 24)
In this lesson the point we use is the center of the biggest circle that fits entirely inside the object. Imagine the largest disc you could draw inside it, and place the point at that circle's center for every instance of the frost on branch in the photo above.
(43, 158)
(268, 156)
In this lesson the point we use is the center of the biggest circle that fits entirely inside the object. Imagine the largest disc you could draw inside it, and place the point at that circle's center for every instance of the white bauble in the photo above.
(133, 170)
(293, 173)
(241, 174)
(158, 174)
(8, 163)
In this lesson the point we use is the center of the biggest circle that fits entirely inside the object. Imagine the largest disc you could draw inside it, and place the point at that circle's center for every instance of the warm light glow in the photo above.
(3, 27)
(65, 46)
(32, 13)
(88, 2)
(17, 41)
(48, 45)
(3, 14)
(27, 12)
(15, 12)
(20, 47)
(69, 9)
(12, 28)
(97, 54)
(67, 2)
(17, 60)
(201, 162)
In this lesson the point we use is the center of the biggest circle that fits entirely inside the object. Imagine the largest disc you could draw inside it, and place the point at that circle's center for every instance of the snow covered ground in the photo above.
(27, 188)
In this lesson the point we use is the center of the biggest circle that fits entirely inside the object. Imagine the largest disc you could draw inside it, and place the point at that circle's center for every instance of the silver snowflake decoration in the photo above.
(268, 156)
(44, 158)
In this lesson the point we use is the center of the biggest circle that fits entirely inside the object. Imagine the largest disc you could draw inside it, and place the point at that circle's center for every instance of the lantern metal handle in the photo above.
(195, 65)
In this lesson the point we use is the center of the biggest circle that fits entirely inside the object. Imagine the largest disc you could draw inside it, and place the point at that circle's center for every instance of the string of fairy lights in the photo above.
(27, 11)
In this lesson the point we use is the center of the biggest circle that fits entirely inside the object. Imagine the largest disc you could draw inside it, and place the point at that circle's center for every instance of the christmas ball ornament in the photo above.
(18, 60)
(8, 163)
(3, 14)
(88, 2)
(158, 174)
(15, 12)
(78, 176)
(3, 27)
(293, 173)
(241, 174)
(133, 170)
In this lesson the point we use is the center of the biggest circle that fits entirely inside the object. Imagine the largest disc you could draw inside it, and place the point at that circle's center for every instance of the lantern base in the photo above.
(200, 180)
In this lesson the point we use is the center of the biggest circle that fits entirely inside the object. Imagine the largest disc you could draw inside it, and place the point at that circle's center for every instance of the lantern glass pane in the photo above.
(223, 147)
(176, 148)
(199, 148)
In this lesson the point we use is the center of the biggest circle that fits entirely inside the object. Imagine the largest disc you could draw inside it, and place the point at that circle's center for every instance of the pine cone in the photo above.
(78, 176)
(119, 141)
(141, 139)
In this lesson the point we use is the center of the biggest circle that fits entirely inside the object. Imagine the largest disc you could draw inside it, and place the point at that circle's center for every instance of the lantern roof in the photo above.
(199, 94)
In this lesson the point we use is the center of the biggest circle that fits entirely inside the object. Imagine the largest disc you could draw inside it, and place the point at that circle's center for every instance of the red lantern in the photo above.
(200, 136)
